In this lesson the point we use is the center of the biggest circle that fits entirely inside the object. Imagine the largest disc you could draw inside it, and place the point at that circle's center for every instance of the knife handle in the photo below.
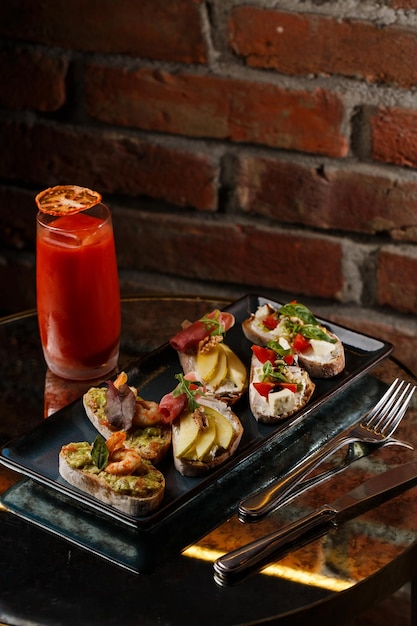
(252, 557)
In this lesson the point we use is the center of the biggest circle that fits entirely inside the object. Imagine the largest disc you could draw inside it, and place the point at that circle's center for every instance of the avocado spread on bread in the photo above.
(148, 481)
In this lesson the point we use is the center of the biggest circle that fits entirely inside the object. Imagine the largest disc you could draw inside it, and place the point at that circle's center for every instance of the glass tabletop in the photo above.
(65, 563)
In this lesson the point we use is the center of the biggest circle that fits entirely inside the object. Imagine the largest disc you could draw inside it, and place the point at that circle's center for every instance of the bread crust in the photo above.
(188, 467)
(259, 405)
(94, 486)
(151, 452)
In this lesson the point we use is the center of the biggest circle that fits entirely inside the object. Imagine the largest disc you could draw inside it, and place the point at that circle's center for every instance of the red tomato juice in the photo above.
(78, 296)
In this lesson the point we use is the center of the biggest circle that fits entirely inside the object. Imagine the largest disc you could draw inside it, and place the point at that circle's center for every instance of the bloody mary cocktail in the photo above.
(78, 296)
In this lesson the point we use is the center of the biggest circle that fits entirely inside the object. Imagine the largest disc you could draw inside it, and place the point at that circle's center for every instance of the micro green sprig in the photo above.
(184, 386)
(213, 324)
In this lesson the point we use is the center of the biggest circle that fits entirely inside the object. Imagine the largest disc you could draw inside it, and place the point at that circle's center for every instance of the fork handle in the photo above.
(259, 504)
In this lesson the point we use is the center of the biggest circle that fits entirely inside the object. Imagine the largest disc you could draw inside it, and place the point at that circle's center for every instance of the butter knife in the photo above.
(249, 559)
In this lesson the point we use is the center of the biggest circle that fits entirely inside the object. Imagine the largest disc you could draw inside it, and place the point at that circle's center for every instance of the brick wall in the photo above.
(243, 146)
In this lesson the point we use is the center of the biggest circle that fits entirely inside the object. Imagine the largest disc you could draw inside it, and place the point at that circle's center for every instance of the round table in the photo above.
(47, 578)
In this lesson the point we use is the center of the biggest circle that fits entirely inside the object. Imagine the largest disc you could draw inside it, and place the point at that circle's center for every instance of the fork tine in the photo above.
(398, 413)
(387, 399)
(388, 410)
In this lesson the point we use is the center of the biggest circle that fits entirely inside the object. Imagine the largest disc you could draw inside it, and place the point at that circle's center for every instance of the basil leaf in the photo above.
(277, 347)
(100, 452)
(294, 309)
(314, 332)
(269, 372)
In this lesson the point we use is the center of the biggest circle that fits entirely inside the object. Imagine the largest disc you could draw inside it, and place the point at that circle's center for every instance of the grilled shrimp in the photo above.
(116, 441)
(123, 462)
(147, 413)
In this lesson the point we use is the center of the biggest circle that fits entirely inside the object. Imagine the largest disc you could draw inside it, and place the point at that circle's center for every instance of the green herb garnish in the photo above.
(100, 452)
(213, 324)
(184, 386)
(269, 372)
(295, 309)
(278, 348)
(309, 326)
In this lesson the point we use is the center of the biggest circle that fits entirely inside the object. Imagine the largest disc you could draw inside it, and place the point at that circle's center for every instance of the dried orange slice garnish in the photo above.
(66, 199)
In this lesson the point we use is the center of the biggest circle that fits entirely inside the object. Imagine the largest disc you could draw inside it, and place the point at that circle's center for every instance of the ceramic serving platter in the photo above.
(35, 455)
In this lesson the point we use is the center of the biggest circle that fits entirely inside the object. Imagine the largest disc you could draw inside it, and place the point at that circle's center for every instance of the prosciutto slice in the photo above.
(188, 338)
(171, 406)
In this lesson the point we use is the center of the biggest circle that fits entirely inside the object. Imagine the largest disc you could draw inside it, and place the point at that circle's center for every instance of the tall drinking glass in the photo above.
(78, 297)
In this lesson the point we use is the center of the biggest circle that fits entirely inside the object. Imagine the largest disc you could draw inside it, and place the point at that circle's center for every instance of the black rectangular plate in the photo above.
(36, 454)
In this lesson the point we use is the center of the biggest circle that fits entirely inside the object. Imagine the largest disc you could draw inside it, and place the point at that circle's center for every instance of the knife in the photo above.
(249, 559)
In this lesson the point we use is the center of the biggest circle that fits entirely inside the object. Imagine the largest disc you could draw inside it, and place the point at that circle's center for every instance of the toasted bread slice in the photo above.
(322, 354)
(202, 348)
(281, 402)
(152, 441)
(132, 494)
(195, 455)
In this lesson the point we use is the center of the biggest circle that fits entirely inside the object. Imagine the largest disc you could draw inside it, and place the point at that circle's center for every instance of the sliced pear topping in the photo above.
(187, 435)
(206, 439)
(224, 431)
(221, 370)
(207, 363)
(237, 371)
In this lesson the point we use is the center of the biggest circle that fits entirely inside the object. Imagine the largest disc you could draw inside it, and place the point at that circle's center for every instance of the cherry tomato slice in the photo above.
(301, 344)
(264, 354)
(291, 386)
(264, 388)
(289, 359)
(270, 322)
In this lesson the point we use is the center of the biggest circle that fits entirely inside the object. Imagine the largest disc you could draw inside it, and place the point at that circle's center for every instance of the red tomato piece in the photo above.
(300, 344)
(264, 388)
(264, 354)
(291, 386)
(270, 322)
(289, 359)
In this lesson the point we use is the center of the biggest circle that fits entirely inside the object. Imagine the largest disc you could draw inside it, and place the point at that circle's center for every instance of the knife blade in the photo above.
(249, 559)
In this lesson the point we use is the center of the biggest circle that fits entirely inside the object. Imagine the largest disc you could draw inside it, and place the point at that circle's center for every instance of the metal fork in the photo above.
(375, 429)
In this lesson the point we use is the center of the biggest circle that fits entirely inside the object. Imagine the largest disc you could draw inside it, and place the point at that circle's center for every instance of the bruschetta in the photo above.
(278, 387)
(319, 350)
(205, 430)
(113, 473)
(202, 349)
(118, 407)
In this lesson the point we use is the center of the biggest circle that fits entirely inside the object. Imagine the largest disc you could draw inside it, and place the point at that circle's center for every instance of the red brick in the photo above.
(31, 79)
(396, 279)
(47, 154)
(327, 197)
(214, 107)
(246, 254)
(301, 44)
(402, 4)
(161, 30)
(17, 282)
(17, 219)
(394, 136)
